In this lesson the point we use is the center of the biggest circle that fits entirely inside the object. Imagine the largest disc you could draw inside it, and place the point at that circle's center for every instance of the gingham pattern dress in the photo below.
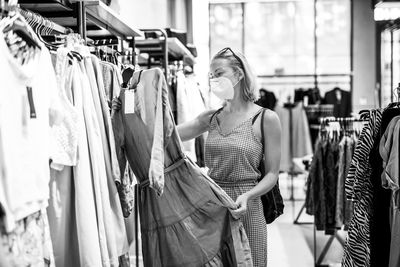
(233, 159)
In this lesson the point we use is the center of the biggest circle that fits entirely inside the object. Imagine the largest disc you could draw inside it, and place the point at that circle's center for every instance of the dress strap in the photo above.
(215, 114)
(256, 116)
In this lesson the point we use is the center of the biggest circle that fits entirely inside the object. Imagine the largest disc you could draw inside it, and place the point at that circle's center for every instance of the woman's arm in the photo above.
(272, 155)
(192, 129)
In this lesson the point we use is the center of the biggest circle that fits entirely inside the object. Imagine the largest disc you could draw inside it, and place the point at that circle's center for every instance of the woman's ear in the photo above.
(239, 74)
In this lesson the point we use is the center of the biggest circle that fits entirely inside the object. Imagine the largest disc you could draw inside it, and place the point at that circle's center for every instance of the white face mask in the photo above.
(222, 87)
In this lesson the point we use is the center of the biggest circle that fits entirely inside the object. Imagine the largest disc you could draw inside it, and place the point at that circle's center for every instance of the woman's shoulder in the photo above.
(271, 118)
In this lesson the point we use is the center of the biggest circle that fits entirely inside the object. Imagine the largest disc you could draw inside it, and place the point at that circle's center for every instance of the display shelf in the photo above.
(101, 21)
(102, 15)
(176, 50)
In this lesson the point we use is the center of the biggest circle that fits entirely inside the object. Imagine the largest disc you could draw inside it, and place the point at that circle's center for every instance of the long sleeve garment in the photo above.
(343, 206)
(330, 184)
(29, 107)
(389, 151)
(321, 185)
(359, 189)
(184, 215)
(315, 197)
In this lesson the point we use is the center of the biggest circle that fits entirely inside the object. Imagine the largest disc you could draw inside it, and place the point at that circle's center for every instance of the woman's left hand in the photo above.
(241, 202)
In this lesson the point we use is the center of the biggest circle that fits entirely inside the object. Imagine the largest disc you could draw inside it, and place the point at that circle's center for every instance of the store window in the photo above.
(227, 27)
(277, 38)
(333, 36)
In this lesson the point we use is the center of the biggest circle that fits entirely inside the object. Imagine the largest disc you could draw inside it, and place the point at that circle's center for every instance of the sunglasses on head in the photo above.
(226, 49)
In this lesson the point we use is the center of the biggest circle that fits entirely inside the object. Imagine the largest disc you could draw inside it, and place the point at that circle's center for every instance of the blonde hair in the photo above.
(238, 62)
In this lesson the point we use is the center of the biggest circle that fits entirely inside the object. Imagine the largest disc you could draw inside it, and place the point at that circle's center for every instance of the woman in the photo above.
(233, 147)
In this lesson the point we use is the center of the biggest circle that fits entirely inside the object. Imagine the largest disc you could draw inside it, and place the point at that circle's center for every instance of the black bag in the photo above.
(272, 201)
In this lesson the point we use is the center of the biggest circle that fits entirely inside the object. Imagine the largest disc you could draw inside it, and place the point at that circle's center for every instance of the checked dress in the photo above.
(233, 159)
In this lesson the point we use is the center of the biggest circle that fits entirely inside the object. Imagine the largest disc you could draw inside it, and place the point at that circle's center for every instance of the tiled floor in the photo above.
(292, 245)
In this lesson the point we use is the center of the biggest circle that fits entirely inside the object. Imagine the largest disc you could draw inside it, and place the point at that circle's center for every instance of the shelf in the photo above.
(176, 50)
(98, 12)
(100, 19)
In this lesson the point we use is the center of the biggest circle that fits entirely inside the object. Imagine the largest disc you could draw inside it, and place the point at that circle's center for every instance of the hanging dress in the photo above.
(184, 215)
(233, 159)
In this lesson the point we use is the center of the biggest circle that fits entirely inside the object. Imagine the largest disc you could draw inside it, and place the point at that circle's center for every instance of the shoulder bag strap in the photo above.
(262, 130)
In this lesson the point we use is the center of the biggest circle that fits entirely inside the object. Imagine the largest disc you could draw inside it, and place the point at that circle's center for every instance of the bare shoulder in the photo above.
(272, 124)
(271, 118)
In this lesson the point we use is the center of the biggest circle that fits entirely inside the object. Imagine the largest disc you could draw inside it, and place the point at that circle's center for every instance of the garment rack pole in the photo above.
(81, 18)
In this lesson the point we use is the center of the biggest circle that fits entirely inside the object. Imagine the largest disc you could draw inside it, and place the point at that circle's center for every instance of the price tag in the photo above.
(129, 102)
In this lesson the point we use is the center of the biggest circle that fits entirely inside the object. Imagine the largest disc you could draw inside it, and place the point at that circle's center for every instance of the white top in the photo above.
(24, 140)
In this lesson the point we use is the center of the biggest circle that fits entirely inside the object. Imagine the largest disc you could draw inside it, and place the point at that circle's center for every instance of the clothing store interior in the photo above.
(199, 133)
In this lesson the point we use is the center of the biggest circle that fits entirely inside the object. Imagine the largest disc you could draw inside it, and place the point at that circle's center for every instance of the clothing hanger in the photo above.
(396, 104)
(18, 25)
(132, 85)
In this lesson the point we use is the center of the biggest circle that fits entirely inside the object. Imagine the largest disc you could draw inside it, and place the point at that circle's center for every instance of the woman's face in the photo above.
(221, 67)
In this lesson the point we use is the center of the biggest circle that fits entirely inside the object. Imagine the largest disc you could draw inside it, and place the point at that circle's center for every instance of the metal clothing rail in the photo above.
(347, 121)
(47, 25)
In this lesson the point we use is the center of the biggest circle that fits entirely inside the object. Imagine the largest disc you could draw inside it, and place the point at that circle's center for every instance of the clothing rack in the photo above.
(90, 18)
(47, 25)
(345, 124)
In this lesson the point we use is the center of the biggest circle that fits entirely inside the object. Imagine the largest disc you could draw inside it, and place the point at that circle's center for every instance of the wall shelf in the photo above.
(176, 50)
(101, 21)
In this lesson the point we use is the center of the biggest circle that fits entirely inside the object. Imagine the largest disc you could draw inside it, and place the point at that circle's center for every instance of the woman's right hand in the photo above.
(116, 104)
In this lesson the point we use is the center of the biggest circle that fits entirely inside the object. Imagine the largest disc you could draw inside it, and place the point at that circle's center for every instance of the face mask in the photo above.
(222, 87)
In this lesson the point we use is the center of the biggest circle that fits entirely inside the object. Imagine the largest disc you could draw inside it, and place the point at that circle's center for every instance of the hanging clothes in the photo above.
(112, 80)
(359, 189)
(341, 100)
(267, 99)
(185, 113)
(389, 150)
(180, 207)
(325, 195)
(29, 243)
(189, 105)
(301, 139)
(28, 92)
(344, 207)
(86, 221)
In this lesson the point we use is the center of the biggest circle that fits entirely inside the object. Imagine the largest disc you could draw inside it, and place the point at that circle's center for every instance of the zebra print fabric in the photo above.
(358, 187)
